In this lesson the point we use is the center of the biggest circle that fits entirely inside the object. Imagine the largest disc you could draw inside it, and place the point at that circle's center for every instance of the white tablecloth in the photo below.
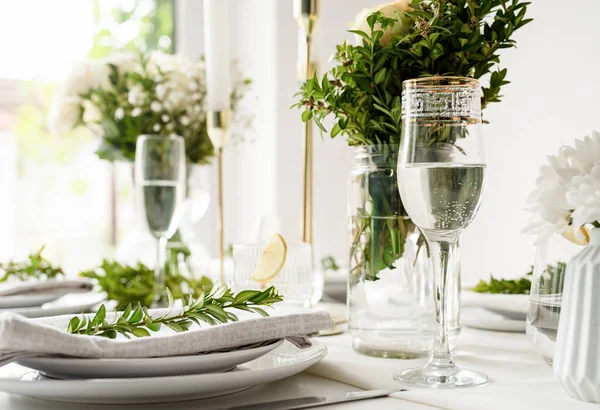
(520, 380)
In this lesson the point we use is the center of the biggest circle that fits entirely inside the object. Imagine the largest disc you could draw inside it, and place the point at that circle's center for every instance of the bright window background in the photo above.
(55, 191)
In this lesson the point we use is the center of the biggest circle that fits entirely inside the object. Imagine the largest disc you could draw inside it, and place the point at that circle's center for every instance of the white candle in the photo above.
(216, 53)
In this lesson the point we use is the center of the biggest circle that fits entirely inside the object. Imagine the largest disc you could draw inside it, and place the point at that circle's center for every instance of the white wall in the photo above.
(552, 100)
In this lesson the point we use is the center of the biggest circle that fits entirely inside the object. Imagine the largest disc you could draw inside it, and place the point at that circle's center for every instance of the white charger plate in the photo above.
(73, 303)
(485, 320)
(287, 360)
(81, 368)
(28, 300)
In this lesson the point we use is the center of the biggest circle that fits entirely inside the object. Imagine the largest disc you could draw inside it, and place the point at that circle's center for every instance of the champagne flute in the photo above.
(160, 175)
(441, 178)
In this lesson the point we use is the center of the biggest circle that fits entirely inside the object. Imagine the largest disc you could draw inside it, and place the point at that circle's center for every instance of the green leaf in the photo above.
(380, 76)
(319, 124)
(245, 295)
(136, 316)
(155, 327)
(335, 130)
(361, 33)
(307, 115)
(140, 332)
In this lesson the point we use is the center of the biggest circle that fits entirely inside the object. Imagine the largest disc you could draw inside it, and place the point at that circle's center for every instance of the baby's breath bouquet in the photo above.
(129, 94)
(398, 41)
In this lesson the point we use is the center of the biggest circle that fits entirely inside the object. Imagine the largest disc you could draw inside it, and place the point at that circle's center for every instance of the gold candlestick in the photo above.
(217, 125)
(306, 14)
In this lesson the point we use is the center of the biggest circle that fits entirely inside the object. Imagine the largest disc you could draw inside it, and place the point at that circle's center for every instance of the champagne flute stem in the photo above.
(159, 269)
(444, 254)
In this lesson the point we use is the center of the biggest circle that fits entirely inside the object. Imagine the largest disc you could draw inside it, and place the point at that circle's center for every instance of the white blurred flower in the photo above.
(161, 91)
(91, 113)
(567, 194)
(119, 113)
(84, 77)
(165, 118)
(156, 106)
(64, 114)
(136, 112)
(184, 120)
(137, 96)
(395, 9)
(126, 62)
(156, 127)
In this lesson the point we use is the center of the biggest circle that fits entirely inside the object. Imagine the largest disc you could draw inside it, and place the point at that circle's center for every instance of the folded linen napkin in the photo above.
(47, 336)
(46, 286)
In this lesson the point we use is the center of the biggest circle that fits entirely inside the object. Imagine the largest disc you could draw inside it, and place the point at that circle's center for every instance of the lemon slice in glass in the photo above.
(272, 259)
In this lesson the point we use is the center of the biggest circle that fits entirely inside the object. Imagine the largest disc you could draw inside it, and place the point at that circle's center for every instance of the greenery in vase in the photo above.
(362, 92)
(128, 94)
(35, 267)
(214, 307)
(133, 285)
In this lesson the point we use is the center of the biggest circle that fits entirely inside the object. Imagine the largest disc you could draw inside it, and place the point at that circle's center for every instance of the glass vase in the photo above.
(545, 297)
(390, 299)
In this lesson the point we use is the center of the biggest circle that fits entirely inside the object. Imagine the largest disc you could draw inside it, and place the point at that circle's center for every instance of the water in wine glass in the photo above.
(442, 197)
(161, 199)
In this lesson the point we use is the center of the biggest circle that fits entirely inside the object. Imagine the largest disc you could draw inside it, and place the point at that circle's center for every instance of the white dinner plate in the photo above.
(73, 303)
(483, 319)
(82, 368)
(287, 360)
(510, 306)
(28, 300)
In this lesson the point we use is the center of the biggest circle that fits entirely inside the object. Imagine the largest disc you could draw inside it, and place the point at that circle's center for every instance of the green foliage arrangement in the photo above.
(362, 93)
(214, 307)
(133, 285)
(554, 275)
(35, 267)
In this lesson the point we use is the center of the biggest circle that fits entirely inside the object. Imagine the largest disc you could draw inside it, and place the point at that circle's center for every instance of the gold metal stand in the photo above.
(217, 125)
(306, 14)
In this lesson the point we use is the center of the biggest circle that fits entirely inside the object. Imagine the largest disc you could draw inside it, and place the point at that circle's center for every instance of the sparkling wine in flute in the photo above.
(160, 206)
(442, 197)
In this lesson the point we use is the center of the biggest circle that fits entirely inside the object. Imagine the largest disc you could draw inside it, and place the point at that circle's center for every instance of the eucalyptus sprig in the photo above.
(35, 267)
(212, 308)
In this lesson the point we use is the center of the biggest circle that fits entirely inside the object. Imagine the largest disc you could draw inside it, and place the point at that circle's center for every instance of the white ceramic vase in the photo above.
(577, 353)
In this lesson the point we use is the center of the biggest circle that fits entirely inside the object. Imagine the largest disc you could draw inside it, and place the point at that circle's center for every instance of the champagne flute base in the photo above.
(434, 377)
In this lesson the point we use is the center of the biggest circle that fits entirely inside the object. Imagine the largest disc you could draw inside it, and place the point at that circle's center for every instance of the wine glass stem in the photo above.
(159, 269)
(444, 254)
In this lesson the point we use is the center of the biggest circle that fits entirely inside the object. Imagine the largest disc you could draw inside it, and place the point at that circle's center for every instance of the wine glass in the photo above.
(441, 178)
(160, 182)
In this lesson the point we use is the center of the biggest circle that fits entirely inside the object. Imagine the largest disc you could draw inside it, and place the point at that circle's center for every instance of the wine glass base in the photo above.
(440, 378)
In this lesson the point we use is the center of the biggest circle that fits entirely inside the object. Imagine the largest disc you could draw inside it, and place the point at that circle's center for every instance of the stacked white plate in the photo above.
(51, 303)
(160, 379)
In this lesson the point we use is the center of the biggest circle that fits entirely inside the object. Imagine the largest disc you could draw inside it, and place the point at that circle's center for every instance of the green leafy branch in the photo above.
(553, 278)
(212, 308)
(35, 267)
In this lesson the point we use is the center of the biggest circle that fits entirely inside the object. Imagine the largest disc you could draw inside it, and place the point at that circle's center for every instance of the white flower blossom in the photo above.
(395, 9)
(136, 96)
(119, 113)
(136, 112)
(91, 113)
(156, 127)
(156, 106)
(184, 120)
(64, 114)
(567, 194)
(165, 118)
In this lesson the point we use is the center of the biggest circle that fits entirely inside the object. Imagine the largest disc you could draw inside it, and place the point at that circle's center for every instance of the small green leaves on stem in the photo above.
(35, 267)
(212, 308)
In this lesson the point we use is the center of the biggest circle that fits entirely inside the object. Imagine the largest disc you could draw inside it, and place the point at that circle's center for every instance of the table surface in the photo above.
(520, 379)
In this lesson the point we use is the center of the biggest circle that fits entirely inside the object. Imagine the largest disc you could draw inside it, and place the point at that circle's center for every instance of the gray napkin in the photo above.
(46, 286)
(20, 336)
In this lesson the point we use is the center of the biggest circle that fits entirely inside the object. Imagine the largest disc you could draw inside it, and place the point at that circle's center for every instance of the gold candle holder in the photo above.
(217, 126)
(306, 14)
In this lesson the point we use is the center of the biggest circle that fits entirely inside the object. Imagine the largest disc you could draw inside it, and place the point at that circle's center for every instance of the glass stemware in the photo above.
(160, 175)
(441, 178)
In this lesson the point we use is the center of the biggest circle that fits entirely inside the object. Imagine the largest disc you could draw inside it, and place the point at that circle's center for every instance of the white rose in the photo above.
(84, 77)
(394, 9)
(126, 62)
(64, 114)
(91, 113)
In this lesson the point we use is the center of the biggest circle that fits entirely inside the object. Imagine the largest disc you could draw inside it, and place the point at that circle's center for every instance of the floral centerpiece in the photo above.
(129, 94)
(398, 41)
